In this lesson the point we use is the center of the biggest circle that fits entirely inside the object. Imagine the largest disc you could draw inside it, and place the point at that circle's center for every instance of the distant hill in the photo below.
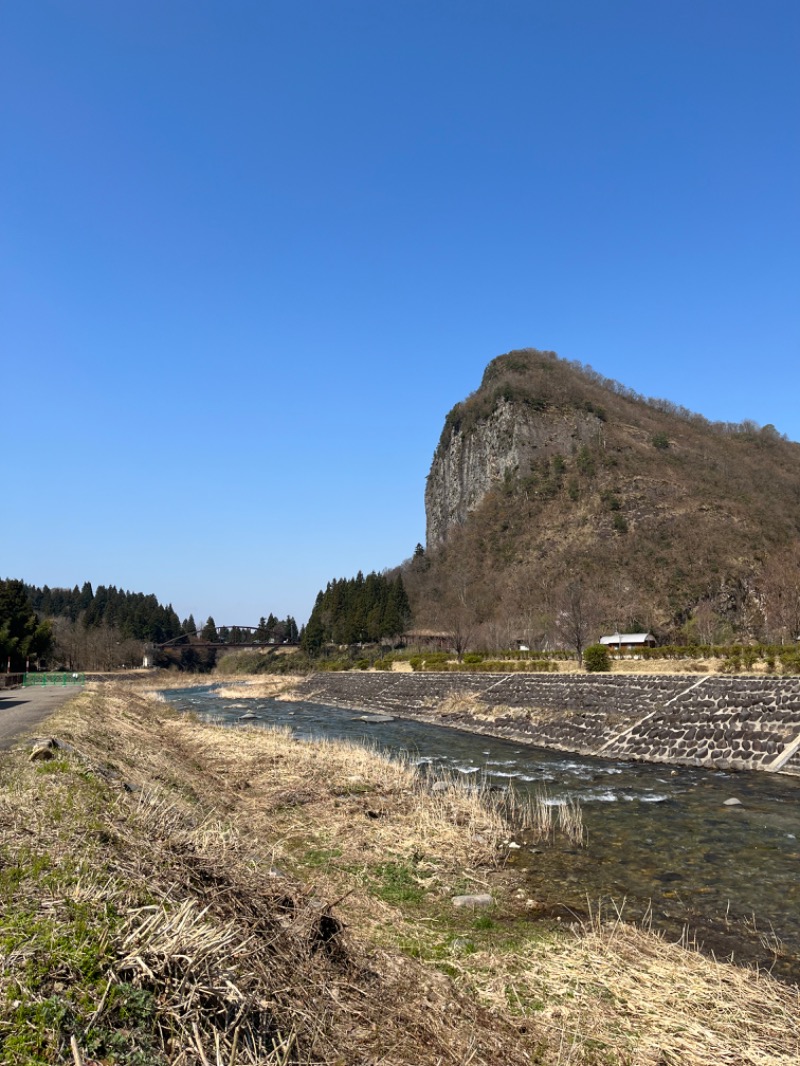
(550, 477)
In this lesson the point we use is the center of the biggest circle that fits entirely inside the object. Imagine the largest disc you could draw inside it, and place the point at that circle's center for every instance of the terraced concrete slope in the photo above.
(731, 722)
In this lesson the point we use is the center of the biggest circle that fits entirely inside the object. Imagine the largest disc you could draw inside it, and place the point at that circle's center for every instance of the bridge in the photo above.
(240, 637)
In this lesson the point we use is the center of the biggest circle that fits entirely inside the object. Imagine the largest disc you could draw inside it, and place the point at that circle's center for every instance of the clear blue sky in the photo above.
(251, 253)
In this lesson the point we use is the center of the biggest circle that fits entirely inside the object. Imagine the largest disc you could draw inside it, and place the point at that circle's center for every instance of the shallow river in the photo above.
(658, 839)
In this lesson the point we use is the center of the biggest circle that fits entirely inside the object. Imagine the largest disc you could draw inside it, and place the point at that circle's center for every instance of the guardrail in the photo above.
(29, 680)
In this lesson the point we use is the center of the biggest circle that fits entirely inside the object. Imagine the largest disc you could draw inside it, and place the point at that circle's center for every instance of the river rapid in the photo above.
(661, 844)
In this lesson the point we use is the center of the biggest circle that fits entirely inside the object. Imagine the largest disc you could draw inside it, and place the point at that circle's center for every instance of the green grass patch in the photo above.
(57, 961)
(316, 857)
(484, 922)
(398, 883)
(53, 766)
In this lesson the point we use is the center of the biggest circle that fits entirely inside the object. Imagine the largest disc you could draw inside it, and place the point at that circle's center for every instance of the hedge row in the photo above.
(746, 653)
(433, 664)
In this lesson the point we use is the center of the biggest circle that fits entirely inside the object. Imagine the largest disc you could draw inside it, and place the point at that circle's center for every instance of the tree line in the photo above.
(95, 629)
(134, 615)
(106, 628)
(356, 611)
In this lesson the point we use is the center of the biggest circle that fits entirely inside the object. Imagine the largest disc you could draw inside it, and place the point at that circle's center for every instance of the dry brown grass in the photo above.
(651, 666)
(637, 998)
(269, 895)
(255, 686)
(665, 666)
(461, 703)
(347, 797)
(259, 687)
(248, 962)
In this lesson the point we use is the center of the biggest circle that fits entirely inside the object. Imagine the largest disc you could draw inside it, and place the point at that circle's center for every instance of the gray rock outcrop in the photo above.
(470, 463)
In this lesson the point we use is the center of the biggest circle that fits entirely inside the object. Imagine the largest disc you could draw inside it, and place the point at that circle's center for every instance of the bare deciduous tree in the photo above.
(704, 623)
(533, 601)
(576, 615)
(80, 647)
(462, 610)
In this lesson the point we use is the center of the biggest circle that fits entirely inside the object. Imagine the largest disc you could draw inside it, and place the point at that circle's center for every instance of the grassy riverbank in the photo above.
(174, 892)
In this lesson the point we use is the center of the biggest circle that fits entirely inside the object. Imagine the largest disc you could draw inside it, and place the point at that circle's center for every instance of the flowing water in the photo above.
(660, 841)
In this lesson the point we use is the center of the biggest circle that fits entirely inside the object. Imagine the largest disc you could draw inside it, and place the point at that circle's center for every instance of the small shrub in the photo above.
(334, 665)
(731, 665)
(435, 660)
(596, 659)
(585, 462)
(749, 657)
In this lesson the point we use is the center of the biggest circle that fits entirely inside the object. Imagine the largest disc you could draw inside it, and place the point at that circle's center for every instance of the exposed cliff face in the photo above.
(493, 452)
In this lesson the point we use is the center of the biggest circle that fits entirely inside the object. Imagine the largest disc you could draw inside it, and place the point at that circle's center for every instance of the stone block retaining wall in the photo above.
(735, 722)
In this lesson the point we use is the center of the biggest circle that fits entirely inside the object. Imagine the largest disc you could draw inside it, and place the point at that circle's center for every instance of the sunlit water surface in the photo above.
(659, 840)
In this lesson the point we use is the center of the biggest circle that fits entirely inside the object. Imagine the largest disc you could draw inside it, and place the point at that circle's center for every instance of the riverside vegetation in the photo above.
(756, 659)
(175, 892)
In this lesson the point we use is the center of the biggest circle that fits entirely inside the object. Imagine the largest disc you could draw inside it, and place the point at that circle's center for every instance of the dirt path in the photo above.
(22, 709)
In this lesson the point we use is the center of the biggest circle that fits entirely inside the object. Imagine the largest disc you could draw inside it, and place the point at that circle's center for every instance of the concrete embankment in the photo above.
(743, 723)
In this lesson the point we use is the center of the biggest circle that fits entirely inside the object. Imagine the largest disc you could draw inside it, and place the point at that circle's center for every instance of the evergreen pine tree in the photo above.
(22, 636)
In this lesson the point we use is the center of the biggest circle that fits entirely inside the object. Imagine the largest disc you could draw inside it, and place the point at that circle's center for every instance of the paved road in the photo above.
(22, 709)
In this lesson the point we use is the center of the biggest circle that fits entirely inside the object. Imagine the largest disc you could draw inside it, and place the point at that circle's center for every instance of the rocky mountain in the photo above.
(550, 473)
